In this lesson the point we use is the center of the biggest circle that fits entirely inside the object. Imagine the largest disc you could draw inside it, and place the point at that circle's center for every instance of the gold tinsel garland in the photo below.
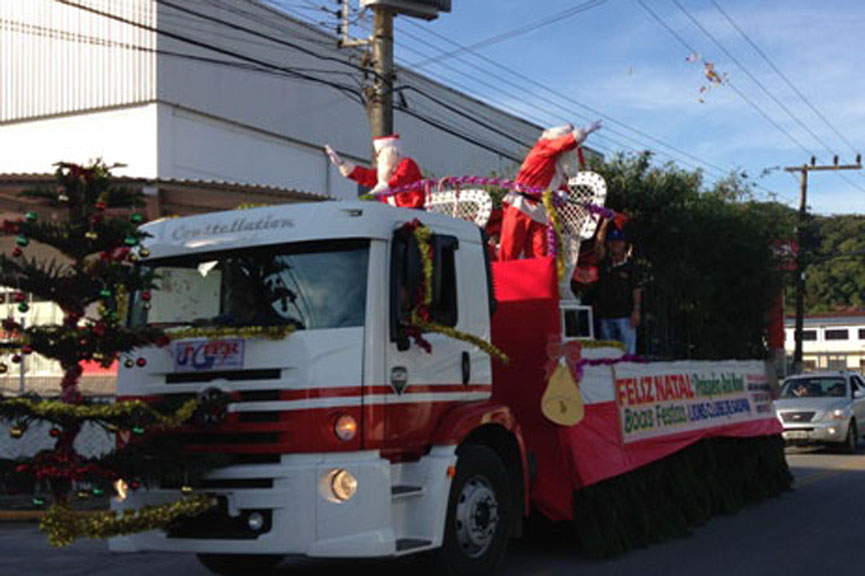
(557, 229)
(55, 410)
(214, 332)
(423, 235)
(603, 344)
(63, 525)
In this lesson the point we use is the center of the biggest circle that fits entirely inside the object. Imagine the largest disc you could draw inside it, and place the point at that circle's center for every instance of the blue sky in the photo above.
(614, 57)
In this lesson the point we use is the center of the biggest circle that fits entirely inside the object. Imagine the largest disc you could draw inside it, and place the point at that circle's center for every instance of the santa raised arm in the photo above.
(548, 165)
(392, 170)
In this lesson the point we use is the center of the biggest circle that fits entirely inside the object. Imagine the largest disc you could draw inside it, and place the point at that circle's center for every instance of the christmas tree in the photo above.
(94, 234)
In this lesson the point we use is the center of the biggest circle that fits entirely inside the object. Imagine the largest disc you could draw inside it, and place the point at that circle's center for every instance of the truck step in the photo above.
(400, 492)
(406, 544)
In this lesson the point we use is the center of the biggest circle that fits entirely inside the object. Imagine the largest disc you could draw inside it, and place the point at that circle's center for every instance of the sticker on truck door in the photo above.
(194, 355)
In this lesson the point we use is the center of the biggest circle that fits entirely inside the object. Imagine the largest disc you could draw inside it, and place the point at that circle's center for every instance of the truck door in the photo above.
(429, 373)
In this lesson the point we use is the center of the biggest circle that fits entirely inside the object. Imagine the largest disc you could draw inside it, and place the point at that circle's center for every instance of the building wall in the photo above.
(78, 85)
(822, 351)
(57, 59)
(125, 135)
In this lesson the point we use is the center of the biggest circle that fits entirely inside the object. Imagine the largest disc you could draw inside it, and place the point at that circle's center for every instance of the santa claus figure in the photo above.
(392, 170)
(549, 164)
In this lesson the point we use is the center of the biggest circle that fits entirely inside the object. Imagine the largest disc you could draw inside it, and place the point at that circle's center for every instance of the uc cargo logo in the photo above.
(208, 355)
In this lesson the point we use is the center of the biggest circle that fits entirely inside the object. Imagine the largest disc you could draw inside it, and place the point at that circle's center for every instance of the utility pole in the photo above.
(381, 101)
(800, 239)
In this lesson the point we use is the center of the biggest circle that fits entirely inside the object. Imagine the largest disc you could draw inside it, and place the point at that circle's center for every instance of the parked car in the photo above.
(823, 408)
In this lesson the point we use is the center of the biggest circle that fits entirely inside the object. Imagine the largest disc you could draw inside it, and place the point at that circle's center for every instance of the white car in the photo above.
(823, 408)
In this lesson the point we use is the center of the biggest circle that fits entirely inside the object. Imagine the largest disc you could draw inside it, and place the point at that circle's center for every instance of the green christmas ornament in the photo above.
(22, 241)
(38, 502)
(32, 216)
(97, 491)
(23, 307)
(136, 218)
(130, 241)
(105, 294)
(138, 430)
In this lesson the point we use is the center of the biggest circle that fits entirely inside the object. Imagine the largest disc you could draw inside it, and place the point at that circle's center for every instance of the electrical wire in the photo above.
(783, 76)
(515, 32)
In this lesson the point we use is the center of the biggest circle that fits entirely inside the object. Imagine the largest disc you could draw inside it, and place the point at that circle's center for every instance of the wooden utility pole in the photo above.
(800, 239)
(381, 102)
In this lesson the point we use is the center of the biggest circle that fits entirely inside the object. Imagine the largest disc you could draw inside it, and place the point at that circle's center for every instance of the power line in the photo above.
(256, 33)
(515, 32)
(732, 86)
(783, 76)
(288, 71)
(753, 78)
(522, 113)
(569, 99)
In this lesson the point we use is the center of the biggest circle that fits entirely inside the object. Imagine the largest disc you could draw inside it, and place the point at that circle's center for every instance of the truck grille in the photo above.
(796, 417)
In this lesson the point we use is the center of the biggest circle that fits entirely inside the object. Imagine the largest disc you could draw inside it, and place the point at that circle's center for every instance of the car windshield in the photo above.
(822, 387)
(309, 286)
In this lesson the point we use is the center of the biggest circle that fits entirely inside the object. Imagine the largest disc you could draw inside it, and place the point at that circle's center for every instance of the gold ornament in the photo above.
(91, 235)
(55, 410)
(562, 402)
(64, 525)
(557, 229)
(216, 332)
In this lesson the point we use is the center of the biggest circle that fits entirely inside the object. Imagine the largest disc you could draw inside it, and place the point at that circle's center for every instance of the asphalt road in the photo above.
(819, 528)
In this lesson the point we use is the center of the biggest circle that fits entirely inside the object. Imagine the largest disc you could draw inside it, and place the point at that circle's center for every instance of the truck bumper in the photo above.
(293, 499)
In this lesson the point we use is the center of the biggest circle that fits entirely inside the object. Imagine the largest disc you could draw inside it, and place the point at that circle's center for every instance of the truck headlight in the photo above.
(343, 485)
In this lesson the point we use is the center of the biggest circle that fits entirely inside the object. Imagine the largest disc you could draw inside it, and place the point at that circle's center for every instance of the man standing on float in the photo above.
(548, 165)
(392, 170)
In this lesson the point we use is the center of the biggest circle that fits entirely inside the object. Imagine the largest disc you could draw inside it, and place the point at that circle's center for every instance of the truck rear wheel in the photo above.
(476, 529)
(237, 564)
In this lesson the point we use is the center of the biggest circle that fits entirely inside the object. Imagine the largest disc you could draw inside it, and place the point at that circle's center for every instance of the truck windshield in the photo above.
(307, 285)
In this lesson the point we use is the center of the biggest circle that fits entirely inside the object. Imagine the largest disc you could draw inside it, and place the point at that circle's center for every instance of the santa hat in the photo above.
(382, 142)
(557, 131)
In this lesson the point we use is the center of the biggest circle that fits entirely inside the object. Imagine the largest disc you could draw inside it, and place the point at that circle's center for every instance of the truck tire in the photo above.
(852, 440)
(237, 564)
(478, 517)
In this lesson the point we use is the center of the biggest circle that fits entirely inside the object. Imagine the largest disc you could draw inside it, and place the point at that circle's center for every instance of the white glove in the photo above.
(582, 133)
(345, 168)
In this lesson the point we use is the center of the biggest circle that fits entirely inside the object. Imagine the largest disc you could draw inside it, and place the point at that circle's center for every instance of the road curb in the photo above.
(21, 515)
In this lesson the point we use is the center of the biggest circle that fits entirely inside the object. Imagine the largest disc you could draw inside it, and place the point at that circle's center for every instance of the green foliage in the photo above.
(710, 274)
(836, 264)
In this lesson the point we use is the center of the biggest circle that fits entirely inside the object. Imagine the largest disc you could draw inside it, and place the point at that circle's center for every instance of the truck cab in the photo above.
(347, 438)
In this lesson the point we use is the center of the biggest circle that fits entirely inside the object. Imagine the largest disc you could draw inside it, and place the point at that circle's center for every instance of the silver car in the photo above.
(823, 408)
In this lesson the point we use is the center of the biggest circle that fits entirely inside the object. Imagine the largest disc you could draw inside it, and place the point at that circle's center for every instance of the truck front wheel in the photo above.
(237, 564)
(476, 529)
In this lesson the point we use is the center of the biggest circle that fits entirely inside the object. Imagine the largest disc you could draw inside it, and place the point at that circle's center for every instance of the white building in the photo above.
(831, 341)
(218, 91)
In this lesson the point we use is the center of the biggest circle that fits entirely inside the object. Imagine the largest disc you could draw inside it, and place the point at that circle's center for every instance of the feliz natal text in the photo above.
(675, 387)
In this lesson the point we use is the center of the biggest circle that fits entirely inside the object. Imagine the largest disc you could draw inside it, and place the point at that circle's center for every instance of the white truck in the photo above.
(349, 440)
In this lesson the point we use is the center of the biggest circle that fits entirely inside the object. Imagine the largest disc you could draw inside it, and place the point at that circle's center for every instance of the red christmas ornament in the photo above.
(16, 358)
(142, 362)
(134, 485)
(27, 349)
(17, 252)
(99, 205)
(54, 433)
(20, 296)
(145, 296)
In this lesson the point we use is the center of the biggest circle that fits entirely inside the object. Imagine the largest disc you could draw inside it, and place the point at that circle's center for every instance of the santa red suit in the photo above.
(548, 165)
(391, 171)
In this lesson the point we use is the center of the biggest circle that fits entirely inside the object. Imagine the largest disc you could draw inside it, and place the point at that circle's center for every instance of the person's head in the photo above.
(387, 155)
(616, 243)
